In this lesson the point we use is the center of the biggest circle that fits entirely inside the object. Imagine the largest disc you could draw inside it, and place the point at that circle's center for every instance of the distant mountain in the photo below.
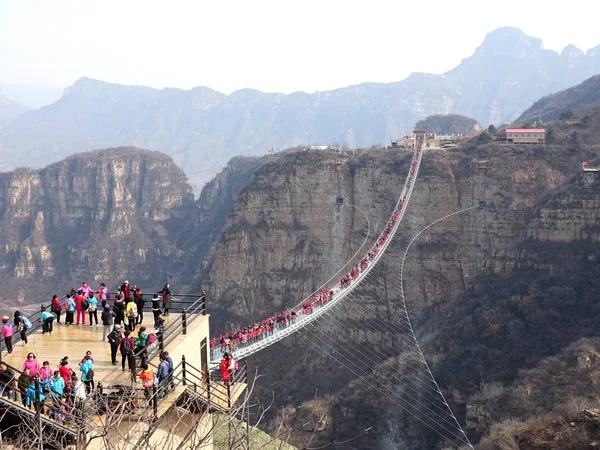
(31, 95)
(579, 98)
(9, 110)
(202, 129)
(448, 124)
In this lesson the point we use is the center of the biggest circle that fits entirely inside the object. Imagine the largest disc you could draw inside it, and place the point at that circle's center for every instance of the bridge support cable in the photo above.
(443, 427)
(342, 292)
(363, 359)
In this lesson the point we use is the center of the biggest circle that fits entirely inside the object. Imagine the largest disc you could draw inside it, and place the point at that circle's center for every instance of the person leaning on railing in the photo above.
(8, 382)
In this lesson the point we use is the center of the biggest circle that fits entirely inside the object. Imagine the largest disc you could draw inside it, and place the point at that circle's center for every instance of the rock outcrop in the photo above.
(286, 235)
(98, 216)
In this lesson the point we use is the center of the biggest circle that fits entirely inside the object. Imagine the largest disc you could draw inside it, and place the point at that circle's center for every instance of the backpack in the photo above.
(134, 311)
(126, 346)
(151, 338)
(90, 374)
(26, 322)
(85, 304)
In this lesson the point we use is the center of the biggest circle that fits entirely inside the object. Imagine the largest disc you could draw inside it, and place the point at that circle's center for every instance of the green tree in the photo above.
(575, 140)
(567, 114)
(492, 129)
(484, 137)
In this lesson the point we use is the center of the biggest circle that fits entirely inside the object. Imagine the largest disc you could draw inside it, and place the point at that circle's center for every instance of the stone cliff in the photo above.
(99, 216)
(286, 235)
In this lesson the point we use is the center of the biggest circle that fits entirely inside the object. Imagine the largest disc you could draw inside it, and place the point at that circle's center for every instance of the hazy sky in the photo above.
(278, 45)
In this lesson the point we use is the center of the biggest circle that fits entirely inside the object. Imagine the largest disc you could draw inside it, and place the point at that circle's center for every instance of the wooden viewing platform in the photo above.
(163, 419)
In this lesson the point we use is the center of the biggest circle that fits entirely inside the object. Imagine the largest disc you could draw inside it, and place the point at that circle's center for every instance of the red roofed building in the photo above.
(526, 135)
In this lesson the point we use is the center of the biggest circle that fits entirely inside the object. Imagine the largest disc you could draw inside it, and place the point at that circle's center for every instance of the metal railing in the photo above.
(174, 328)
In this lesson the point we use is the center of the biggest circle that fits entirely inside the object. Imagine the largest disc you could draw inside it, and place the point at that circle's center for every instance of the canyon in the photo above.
(494, 293)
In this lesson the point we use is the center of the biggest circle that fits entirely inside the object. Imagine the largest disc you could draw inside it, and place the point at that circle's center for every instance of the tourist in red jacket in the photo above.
(224, 366)
(79, 307)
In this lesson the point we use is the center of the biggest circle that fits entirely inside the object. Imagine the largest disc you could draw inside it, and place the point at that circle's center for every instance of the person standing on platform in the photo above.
(47, 318)
(140, 301)
(23, 383)
(156, 308)
(70, 309)
(56, 307)
(131, 312)
(7, 332)
(125, 289)
(163, 376)
(224, 369)
(32, 364)
(119, 310)
(8, 382)
(79, 307)
(126, 347)
(114, 339)
(166, 298)
(87, 373)
(107, 321)
(57, 385)
(86, 290)
(171, 367)
(19, 321)
(93, 308)
(103, 294)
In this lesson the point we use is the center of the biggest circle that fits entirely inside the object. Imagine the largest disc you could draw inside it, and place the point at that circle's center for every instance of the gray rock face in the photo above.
(99, 216)
(202, 129)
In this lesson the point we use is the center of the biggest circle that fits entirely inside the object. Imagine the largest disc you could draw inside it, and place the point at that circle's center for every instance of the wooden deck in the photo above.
(74, 341)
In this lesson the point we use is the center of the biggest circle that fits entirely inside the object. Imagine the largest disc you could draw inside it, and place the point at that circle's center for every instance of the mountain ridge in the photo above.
(202, 128)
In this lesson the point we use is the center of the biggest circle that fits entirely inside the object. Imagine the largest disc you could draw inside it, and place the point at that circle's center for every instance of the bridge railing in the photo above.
(303, 315)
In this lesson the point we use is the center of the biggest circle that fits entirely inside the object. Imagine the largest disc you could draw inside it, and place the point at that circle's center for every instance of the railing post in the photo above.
(203, 302)
(161, 340)
(208, 388)
(36, 380)
(184, 320)
(42, 308)
(100, 388)
(183, 370)
(246, 371)
(228, 394)
(155, 401)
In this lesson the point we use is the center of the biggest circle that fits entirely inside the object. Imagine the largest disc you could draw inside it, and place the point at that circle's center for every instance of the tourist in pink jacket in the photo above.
(32, 364)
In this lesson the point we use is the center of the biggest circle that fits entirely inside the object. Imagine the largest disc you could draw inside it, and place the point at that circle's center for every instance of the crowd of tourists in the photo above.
(121, 314)
(235, 339)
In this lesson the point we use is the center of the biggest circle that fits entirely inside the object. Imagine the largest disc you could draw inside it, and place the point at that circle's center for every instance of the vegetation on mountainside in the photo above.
(577, 99)
(448, 124)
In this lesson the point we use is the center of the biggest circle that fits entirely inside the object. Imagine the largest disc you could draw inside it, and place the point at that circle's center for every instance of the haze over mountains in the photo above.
(9, 109)
(202, 129)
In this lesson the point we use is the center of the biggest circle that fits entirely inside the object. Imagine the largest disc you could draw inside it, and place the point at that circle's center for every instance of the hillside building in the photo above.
(526, 135)
(435, 141)
(319, 147)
